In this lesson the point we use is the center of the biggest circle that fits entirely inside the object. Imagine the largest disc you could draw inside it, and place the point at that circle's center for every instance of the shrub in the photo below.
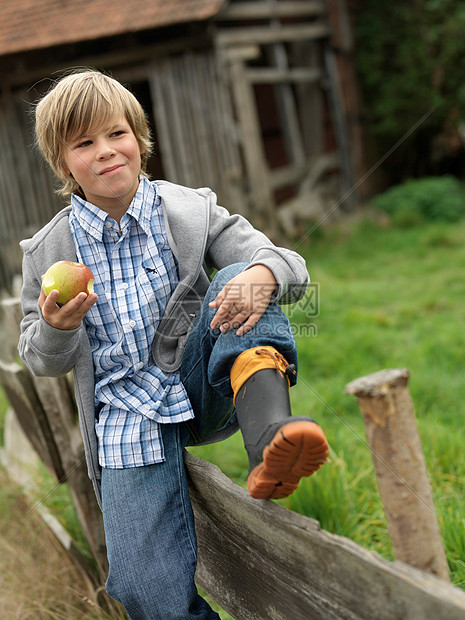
(431, 199)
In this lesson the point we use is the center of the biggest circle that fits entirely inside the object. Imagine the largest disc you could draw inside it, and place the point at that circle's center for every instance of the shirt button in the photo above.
(122, 383)
(125, 286)
(132, 323)
(108, 224)
(147, 407)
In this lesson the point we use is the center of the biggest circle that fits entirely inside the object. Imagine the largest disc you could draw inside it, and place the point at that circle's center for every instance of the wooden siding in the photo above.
(196, 129)
(26, 198)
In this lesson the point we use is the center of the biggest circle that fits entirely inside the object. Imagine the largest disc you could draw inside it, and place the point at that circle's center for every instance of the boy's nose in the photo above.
(105, 154)
(105, 151)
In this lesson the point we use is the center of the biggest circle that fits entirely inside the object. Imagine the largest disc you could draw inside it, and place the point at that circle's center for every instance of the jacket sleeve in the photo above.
(233, 239)
(46, 351)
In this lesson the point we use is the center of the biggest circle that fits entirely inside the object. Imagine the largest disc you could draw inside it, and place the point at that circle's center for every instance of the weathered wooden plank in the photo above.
(23, 206)
(311, 171)
(343, 45)
(46, 412)
(47, 421)
(227, 136)
(338, 16)
(41, 182)
(290, 126)
(127, 63)
(10, 315)
(30, 203)
(22, 463)
(10, 191)
(11, 306)
(259, 560)
(88, 512)
(246, 52)
(19, 388)
(264, 35)
(309, 96)
(260, 10)
(160, 111)
(79, 559)
(55, 396)
(4, 274)
(57, 402)
(184, 168)
(19, 458)
(270, 75)
(224, 139)
(196, 126)
(252, 145)
(196, 108)
(218, 120)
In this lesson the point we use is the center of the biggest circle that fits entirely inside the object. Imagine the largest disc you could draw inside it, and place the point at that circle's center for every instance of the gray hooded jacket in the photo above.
(201, 234)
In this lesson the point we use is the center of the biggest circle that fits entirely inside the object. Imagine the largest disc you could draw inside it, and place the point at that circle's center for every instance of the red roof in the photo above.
(35, 24)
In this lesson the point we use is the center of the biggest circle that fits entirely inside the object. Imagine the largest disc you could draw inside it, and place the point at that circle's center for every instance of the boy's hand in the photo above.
(68, 316)
(243, 300)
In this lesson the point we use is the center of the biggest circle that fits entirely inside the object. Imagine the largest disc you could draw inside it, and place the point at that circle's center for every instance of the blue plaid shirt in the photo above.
(135, 274)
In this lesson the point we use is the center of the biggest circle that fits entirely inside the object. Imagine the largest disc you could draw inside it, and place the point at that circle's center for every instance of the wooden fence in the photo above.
(257, 559)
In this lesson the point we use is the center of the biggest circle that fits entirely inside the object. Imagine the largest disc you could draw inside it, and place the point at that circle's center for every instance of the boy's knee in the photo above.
(227, 273)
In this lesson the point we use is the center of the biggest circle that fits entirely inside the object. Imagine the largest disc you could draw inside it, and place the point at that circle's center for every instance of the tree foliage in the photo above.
(410, 57)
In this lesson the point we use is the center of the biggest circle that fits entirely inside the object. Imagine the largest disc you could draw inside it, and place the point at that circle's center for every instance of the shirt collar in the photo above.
(89, 216)
(92, 219)
(143, 205)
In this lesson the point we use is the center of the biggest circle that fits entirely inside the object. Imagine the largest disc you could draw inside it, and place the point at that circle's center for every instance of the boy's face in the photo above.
(106, 164)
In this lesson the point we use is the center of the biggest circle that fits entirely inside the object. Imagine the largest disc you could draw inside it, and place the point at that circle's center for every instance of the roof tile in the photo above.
(34, 24)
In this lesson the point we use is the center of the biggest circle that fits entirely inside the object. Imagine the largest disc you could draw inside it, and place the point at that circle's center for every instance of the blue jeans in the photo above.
(148, 518)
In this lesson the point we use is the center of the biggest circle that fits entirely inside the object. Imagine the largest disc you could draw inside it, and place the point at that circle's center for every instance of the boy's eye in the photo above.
(118, 132)
(83, 143)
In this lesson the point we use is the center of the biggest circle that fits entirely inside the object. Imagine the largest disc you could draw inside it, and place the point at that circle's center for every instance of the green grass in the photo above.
(389, 298)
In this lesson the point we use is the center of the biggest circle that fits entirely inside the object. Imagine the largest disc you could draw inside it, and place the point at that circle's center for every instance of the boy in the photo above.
(162, 357)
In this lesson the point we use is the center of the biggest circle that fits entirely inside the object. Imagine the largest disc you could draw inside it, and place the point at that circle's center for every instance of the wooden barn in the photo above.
(256, 99)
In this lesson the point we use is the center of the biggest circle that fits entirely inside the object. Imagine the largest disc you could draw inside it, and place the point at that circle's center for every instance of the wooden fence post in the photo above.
(392, 434)
(47, 414)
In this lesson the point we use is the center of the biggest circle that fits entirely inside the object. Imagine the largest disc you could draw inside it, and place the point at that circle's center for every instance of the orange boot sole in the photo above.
(298, 449)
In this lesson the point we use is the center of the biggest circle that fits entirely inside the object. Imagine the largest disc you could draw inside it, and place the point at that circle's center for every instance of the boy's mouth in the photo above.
(111, 169)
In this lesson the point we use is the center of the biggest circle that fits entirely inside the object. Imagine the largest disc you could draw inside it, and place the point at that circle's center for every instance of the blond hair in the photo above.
(79, 103)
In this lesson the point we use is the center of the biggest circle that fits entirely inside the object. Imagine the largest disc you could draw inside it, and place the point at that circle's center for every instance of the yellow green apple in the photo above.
(69, 279)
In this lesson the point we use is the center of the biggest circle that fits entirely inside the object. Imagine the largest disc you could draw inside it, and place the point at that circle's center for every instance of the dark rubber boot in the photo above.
(281, 449)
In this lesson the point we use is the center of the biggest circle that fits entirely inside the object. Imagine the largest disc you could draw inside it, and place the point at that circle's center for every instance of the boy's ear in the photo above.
(142, 148)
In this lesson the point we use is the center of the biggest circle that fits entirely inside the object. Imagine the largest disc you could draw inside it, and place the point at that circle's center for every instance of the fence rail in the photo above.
(261, 561)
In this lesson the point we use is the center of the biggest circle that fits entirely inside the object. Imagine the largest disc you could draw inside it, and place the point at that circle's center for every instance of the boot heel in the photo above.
(298, 449)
